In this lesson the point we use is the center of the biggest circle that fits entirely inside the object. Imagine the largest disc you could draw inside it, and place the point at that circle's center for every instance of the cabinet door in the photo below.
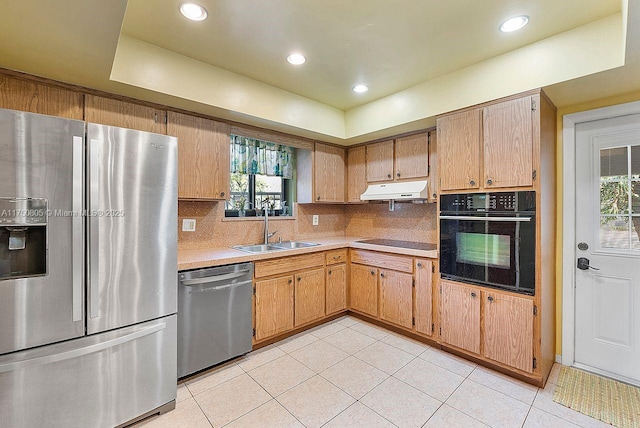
(336, 288)
(508, 144)
(459, 150)
(107, 111)
(460, 316)
(433, 166)
(363, 286)
(412, 156)
(203, 156)
(396, 297)
(423, 299)
(329, 173)
(380, 161)
(274, 307)
(508, 330)
(23, 95)
(310, 296)
(356, 173)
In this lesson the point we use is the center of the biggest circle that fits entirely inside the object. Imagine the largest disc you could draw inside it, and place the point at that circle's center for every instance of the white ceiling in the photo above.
(388, 45)
(419, 57)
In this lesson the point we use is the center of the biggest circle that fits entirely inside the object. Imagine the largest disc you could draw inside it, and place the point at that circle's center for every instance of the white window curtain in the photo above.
(251, 156)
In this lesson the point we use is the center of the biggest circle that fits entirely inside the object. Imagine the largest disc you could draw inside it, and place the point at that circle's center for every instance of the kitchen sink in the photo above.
(265, 248)
(261, 248)
(294, 244)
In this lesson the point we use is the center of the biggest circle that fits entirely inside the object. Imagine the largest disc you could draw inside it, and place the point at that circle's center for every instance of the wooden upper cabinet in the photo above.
(356, 173)
(203, 157)
(329, 173)
(108, 111)
(274, 307)
(423, 311)
(309, 296)
(32, 97)
(508, 143)
(433, 166)
(459, 150)
(336, 296)
(380, 161)
(396, 297)
(508, 330)
(363, 286)
(412, 156)
(460, 316)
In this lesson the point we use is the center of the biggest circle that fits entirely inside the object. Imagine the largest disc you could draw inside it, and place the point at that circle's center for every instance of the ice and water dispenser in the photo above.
(23, 237)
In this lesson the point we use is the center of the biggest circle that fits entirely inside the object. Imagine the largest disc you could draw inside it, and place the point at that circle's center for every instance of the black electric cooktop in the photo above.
(400, 244)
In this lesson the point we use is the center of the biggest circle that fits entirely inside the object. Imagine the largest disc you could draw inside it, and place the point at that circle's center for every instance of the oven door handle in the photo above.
(473, 218)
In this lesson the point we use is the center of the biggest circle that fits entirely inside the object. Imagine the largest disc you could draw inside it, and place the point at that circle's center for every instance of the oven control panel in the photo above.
(489, 202)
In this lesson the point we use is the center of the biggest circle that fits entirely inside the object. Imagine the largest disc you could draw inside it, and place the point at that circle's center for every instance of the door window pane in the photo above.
(614, 197)
(635, 162)
(635, 197)
(614, 163)
(614, 232)
(635, 232)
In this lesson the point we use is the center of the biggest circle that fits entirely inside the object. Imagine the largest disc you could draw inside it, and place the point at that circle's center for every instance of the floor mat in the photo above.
(613, 402)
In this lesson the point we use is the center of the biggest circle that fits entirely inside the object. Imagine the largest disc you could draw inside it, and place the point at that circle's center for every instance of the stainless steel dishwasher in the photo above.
(214, 316)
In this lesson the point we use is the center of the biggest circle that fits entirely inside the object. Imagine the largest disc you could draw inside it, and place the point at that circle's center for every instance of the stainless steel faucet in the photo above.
(267, 235)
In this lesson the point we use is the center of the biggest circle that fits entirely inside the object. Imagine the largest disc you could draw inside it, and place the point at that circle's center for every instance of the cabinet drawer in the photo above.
(336, 256)
(382, 260)
(288, 264)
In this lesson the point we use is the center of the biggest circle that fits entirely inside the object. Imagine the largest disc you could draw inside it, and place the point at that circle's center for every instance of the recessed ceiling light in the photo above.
(513, 24)
(193, 11)
(296, 59)
(360, 88)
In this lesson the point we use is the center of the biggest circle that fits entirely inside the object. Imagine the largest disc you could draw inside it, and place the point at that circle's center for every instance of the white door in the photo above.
(607, 305)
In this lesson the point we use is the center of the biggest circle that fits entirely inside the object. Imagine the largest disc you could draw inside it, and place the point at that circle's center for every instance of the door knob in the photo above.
(583, 264)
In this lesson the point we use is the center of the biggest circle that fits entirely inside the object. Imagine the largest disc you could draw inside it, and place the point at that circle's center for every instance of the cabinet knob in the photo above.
(489, 182)
(221, 193)
(289, 282)
(381, 275)
(299, 279)
(490, 299)
(472, 182)
(388, 175)
(318, 198)
(419, 265)
(330, 272)
(398, 174)
(473, 295)
(373, 272)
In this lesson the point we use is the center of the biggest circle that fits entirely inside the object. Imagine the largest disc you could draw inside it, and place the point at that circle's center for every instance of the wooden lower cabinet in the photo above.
(423, 298)
(363, 286)
(396, 297)
(460, 316)
(508, 330)
(273, 306)
(309, 296)
(336, 293)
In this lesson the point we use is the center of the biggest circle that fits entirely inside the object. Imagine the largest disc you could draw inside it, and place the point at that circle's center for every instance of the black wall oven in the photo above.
(489, 239)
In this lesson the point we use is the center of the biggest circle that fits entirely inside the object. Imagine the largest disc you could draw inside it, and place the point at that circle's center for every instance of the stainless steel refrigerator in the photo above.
(88, 272)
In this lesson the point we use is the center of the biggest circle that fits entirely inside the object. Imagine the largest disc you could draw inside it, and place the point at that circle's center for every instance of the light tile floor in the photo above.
(349, 373)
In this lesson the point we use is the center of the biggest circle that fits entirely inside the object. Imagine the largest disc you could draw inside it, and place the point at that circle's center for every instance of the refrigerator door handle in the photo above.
(78, 352)
(94, 228)
(77, 228)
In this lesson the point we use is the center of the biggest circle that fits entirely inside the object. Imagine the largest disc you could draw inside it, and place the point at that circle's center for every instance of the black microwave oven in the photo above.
(489, 239)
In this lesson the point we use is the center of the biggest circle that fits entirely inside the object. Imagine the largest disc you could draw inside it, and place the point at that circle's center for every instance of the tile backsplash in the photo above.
(409, 222)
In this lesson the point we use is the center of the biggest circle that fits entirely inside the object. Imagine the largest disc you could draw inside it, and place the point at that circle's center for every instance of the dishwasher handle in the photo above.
(216, 278)
(191, 289)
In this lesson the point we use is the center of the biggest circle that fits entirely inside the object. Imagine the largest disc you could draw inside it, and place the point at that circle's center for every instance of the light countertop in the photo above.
(201, 258)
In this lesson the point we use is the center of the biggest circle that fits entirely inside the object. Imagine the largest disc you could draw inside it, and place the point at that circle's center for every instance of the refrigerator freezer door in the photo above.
(41, 158)
(98, 381)
(132, 227)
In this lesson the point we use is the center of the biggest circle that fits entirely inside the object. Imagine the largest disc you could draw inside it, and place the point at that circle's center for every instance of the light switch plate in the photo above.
(315, 220)
(188, 224)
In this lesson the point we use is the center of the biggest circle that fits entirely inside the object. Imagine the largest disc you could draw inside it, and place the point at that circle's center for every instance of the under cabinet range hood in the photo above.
(403, 191)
